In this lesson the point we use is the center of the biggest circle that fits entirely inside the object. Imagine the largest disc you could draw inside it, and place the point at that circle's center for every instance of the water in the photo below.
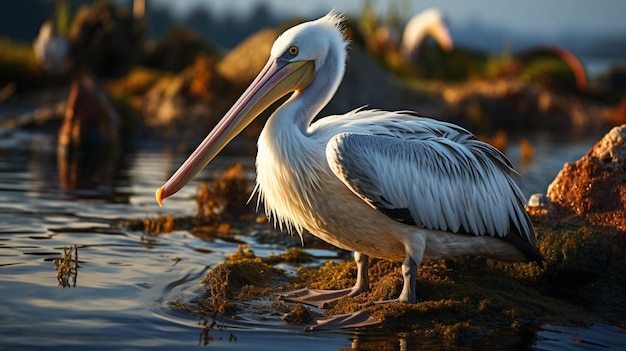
(120, 297)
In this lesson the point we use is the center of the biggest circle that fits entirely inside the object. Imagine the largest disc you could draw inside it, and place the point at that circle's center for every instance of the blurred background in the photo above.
(98, 77)
(509, 64)
(587, 28)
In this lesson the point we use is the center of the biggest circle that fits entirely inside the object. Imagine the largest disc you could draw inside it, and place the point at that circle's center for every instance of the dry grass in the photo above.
(67, 267)
(226, 195)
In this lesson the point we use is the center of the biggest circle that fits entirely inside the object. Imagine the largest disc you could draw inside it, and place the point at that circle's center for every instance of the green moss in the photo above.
(300, 314)
(464, 298)
(575, 257)
(549, 71)
(580, 268)
(331, 275)
(245, 279)
(294, 256)
(467, 292)
(460, 300)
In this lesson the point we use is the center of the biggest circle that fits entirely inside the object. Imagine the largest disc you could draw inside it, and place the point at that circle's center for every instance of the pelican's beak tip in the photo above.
(159, 196)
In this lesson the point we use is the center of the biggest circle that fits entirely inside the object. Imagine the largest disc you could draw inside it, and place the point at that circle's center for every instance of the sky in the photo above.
(547, 17)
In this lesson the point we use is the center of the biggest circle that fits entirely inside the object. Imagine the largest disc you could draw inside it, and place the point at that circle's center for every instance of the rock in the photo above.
(593, 189)
(538, 205)
(536, 200)
(165, 102)
(245, 61)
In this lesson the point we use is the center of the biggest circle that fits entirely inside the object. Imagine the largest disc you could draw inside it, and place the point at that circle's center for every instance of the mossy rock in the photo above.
(245, 279)
(575, 257)
(460, 300)
(464, 299)
(457, 298)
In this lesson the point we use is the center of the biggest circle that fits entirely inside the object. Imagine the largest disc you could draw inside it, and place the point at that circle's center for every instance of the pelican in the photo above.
(426, 23)
(51, 50)
(385, 184)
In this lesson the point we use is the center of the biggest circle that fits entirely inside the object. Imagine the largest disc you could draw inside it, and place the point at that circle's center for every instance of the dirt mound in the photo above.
(593, 189)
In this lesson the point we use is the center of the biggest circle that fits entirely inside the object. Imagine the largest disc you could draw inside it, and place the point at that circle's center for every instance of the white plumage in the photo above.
(386, 184)
(51, 50)
(428, 22)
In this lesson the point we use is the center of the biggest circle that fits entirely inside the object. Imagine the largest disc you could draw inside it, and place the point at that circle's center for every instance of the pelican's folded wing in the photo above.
(460, 185)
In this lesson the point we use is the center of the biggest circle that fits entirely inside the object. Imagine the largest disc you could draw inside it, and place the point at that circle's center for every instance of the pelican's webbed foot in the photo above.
(324, 298)
(357, 319)
(317, 297)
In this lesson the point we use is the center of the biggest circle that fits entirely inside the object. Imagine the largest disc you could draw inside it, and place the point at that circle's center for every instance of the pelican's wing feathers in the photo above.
(440, 178)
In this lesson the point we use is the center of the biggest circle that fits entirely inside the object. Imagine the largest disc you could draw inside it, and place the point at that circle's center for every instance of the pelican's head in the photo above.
(295, 58)
(312, 41)
(426, 23)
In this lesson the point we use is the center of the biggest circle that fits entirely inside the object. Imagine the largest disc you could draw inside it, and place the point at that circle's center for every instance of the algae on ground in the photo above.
(293, 256)
(459, 299)
(243, 279)
(465, 297)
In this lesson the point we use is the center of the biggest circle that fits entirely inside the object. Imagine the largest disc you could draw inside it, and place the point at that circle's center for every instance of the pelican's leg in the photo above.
(323, 298)
(412, 260)
(362, 318)
(409, 274)
(362, 277)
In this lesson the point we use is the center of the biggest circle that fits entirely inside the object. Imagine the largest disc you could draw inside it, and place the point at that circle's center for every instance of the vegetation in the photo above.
(67, 267)
(459, 299)
(17, 64)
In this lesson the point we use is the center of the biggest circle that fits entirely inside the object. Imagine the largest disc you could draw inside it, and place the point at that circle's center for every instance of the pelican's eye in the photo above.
(292, 51)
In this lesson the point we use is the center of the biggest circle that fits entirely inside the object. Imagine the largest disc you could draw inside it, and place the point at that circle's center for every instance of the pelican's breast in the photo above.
(299, 191)
(288, 176)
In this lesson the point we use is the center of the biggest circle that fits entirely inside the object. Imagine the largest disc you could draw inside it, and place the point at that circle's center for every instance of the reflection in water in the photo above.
(88, 171)
(91, 123)
(89, 143)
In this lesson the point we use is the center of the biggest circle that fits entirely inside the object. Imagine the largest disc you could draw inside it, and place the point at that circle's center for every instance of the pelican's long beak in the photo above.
(278, 78)
(440, 32)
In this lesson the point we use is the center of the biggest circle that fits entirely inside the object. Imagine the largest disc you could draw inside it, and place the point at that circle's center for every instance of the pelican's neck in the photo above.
(290, 161)
(305, 105)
